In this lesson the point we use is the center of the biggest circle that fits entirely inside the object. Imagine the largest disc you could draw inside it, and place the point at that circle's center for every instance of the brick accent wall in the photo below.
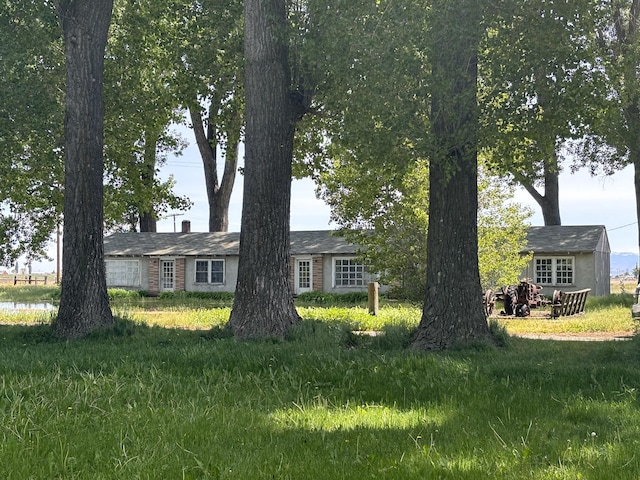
(179, 272)
(292, 274)
(317, 283)
(154, 276)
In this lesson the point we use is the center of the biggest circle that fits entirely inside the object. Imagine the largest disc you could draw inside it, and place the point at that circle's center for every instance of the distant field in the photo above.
(22, 279)
(626, 286)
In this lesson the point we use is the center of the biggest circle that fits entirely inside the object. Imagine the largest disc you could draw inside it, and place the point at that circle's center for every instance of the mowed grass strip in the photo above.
(150, 402)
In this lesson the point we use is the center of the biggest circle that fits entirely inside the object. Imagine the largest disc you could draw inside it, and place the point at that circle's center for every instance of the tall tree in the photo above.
(541, 88)
(263, 304)
(31, 82)
(620, 128)
(452, 312)
(412, 98)
(209, 67)
(626, 22)
(385, 211)
(141, 104)
(84, 303)
(32, 122)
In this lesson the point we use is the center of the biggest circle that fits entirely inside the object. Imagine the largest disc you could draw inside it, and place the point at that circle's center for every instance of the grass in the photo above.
(151, 402)
(28, 293)
(623, 286)
(197, 311)
(189, 401)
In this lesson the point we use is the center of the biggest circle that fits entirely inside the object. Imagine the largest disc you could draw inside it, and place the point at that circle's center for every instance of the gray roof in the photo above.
(219, 244)
(567, 239)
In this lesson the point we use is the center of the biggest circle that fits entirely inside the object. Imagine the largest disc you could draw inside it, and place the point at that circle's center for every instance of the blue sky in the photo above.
(584, 200)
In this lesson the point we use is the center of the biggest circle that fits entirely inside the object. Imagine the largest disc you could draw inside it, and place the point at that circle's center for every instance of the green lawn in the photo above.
(151, 402)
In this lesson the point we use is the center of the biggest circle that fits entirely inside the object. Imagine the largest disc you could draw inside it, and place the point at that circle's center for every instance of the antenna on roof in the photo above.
(174, 215)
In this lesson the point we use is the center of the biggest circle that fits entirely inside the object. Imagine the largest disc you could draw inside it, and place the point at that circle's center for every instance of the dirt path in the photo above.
(579, 337)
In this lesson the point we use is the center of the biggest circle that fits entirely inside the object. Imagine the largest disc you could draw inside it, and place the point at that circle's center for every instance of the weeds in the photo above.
(147, 402)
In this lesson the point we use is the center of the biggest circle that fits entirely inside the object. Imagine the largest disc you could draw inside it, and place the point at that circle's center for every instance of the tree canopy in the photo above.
(31, 121)
(386, 213)
(542, 87)
(141, 104)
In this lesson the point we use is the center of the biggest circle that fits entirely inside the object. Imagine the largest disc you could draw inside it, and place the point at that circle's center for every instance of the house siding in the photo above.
(179, 272)
(588, 245)
(588, 273)
(153, 276)
(317, 279)
(230, 274)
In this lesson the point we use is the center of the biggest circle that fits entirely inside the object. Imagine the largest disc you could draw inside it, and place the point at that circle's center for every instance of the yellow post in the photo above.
(373, 298)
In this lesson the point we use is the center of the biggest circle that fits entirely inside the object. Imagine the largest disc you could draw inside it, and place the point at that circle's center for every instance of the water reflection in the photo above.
(21, 306)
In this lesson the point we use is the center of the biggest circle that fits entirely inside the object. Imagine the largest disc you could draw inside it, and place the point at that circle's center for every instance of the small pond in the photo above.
(21, 306)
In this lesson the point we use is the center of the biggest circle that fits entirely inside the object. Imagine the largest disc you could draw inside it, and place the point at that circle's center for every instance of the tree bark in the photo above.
(550, 201)
(452, 312)
(263, 304)
(148, 221)
(218, 194)
(84, 304)
(636, 166)
(632, 118)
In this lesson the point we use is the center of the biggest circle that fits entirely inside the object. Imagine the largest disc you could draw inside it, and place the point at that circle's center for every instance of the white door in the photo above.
(167, 277)
(303, 275)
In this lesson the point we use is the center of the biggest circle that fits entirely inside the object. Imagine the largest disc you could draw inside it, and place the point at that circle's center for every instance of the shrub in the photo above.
(182, 295)
(121, 293)
(613, 300)
(324, 298)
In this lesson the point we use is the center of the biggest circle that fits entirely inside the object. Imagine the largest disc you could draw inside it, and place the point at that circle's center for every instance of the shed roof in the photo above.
(219, 243)
(568, 239)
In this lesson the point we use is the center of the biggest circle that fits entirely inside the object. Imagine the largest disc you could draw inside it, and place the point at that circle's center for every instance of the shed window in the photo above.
(210, 271)
(123, 273)
(554, 271)
(349, 273)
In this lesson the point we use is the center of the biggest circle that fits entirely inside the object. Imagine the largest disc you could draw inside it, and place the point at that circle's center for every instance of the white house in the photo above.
(208, 262)
(569, 258)
(564, 258)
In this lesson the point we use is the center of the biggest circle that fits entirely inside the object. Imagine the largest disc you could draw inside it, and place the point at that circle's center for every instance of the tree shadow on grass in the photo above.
(321, 406)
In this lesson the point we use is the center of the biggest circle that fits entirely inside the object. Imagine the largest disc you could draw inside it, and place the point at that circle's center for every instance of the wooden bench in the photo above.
(568, 303)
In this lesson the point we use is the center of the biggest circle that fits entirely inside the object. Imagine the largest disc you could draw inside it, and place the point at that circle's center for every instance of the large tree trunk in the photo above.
(263, 305)
(148, 221)
(550, 201)
(452, 312)
(218, 194)
(632, 118)
(84, 304)
(636, 166)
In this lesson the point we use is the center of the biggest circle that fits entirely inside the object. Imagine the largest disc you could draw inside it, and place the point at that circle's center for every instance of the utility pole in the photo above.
(174, 215)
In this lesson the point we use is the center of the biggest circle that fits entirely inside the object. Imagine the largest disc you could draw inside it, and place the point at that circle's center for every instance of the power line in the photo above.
(623, 226)
(174, 215)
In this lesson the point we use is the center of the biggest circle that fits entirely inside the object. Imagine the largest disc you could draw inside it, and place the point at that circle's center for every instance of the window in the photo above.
(554, 271)
(209, 271)
(349, 273)
(564, 271)
(304, 274)
(123, 273)
(544, 271)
